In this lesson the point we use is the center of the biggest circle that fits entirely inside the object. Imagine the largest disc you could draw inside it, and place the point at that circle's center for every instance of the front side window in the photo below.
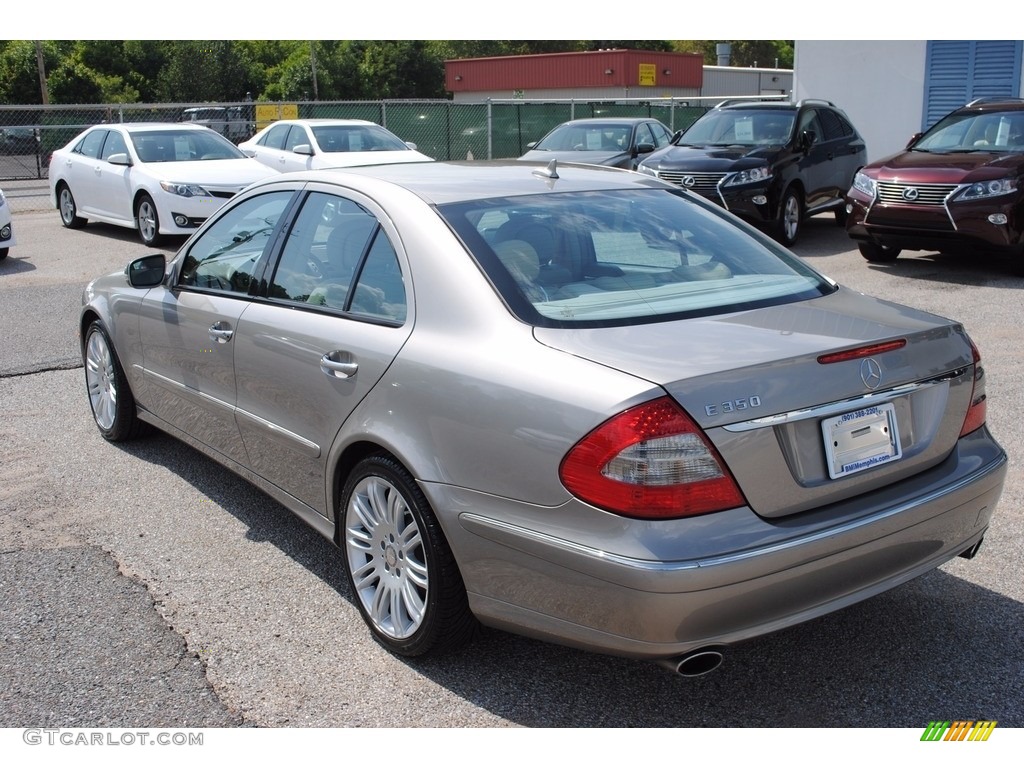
(91, 144)
(114, 145)
(336, 256)
(226, 256)
(625, 257)
(274, 138)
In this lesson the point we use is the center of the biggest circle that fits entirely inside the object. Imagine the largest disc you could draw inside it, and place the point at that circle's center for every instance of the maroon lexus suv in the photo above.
(958, 187)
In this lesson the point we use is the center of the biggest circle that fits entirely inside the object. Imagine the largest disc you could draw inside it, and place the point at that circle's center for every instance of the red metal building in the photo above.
(547, 75)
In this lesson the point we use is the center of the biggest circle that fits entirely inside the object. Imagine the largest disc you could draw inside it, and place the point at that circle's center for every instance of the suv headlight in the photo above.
(864, 183)
(757, 175)
(983, 189)
(185, 190)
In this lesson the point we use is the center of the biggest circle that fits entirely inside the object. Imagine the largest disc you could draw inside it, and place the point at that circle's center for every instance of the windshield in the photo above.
(588, 137)
(356, 138)
(170, 146)
(746, 127)
(624, 257)
(970, 132)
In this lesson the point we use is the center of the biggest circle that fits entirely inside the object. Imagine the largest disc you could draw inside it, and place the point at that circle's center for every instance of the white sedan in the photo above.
(6, 231)
(157, 178)
(302, 145)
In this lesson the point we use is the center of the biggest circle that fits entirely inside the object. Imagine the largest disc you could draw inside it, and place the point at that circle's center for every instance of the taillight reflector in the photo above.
(977, 412)
(652, 461)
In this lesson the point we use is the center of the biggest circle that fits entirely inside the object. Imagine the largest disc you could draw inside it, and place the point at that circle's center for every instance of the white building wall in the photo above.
(879, 84)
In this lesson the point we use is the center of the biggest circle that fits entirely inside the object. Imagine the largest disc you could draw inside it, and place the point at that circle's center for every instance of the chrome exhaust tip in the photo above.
(694, 664)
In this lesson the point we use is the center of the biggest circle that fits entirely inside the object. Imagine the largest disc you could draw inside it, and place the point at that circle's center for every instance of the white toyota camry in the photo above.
(157, 178)
(303, 145)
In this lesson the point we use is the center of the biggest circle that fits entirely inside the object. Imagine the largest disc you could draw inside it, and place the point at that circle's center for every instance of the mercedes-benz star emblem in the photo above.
(871, 373)
(689, 181)
(910, 193)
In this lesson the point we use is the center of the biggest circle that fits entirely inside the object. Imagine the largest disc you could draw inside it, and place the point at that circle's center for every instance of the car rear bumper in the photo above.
(546, 584)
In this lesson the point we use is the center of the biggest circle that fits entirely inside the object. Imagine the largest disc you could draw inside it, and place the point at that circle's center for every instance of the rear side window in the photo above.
(625, 257)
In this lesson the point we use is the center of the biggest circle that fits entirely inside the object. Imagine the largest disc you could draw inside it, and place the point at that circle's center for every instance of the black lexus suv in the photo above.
(771, 163)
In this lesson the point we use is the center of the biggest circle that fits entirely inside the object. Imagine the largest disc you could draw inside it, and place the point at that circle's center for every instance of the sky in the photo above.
(524, 20)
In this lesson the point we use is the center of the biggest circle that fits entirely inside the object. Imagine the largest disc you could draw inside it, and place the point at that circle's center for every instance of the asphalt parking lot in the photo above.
(145, 585)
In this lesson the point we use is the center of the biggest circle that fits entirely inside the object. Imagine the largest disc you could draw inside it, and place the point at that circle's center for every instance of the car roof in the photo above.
(325, 121)
(607, 120)
(993, 104)
(442, 182)
(142, 127)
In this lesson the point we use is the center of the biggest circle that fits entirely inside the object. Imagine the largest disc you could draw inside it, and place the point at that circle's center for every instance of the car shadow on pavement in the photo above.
(13, 265)
(975, 269)
(937, 648)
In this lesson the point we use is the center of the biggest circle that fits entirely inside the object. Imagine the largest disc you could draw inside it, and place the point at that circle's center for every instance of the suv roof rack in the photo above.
(824, 102)
(749, 100)
(992, 100)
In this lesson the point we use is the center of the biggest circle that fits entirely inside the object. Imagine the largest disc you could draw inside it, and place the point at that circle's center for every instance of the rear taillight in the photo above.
(977, 411)
(651, 461)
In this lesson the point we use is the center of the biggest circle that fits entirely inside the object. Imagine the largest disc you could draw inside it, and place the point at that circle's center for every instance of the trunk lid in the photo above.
(754, 383)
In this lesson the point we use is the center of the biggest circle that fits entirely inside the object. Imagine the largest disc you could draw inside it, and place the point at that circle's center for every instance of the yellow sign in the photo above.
(648, 74)
(268, 113)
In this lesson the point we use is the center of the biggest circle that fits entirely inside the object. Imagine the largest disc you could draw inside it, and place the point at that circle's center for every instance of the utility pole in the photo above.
(312, 61)
(41, 66)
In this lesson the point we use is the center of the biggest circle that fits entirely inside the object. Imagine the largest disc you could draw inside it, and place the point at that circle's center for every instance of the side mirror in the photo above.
(913, 139)
(644, 149)
(119, 158)
(411, 145)
(147, 272)
(807, 139)
(249, 152)
(676, 136)
(531, 145)
(303, 149)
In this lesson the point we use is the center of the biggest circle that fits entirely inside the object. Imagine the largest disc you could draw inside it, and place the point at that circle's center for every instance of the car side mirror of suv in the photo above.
(807, 139)
(147, 272)
(643, 149)
(913, 139)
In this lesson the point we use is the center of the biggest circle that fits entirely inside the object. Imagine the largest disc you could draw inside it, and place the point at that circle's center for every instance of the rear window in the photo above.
(625, 256)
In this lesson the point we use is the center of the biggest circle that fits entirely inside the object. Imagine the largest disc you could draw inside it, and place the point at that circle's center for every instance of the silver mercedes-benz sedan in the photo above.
(571, 402)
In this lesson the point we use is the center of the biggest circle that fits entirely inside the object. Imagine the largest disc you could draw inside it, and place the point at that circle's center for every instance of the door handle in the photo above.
(220, 333)
(342, 369)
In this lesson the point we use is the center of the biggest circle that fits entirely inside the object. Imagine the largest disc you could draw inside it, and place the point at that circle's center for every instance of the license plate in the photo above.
(861, 439)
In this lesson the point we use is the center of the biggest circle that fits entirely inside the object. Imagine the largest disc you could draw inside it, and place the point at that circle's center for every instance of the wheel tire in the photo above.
(791, 216)
(147, 221)
(68, 208)
(878, 254)
(841, 215)
(3, 253)
(403, 575)
(110, 397)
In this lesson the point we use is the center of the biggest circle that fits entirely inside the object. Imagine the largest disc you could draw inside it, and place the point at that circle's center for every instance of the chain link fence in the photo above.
(442, 129)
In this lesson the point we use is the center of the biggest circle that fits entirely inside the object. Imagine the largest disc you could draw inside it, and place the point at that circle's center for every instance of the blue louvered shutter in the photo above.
(958, 71)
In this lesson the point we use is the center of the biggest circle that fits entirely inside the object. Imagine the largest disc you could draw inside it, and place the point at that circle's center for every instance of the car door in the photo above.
(816, 165)
(187, 329)
(81, 172)
(113, 185)
(270, 149)
(290, 159)
(335, 317)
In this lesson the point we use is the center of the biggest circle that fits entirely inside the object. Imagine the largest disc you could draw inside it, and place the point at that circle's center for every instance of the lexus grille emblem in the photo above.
(910, 193)
(870, 373)
(689, 181)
